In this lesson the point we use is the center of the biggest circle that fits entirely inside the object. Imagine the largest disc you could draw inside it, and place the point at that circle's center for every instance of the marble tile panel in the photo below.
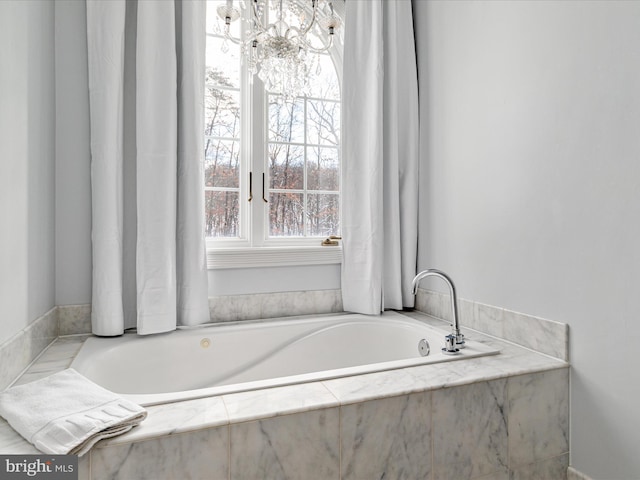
(74, 319)
(360, 388)
(41, 333)
(573, 474)
(273, 305)
(84, 467)
(434, 303)
(231, 308)
(467, 313)
(319, 302)
(500, 366)
(286, 304)
(298, 446)
(14, 357)
(421, 301)
(389, 438)
(176, 418)
(272, 402)
(445, 308)
(196, 455)
(17, 352)
(329, 301)
(299, 303)
(442, 375)
(470, 430)
(439, 306)
(538, 416)
(500, 475)
(512, 358)
(55, 358)
(553, 468)
(490, 319)
(246, 307)
(541, 335)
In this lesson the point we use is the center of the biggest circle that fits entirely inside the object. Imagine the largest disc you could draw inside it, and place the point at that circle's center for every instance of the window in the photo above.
(272, 168)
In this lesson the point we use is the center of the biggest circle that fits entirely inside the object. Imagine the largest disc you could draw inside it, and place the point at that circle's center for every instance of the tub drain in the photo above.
(205, 342)
(423, 347)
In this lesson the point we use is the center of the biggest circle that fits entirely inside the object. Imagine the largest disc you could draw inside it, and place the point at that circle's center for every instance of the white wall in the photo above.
(27, 159)
(73, 156)
(530, 176)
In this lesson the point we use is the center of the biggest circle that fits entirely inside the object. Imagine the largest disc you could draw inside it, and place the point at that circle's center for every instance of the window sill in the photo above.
(221, 258)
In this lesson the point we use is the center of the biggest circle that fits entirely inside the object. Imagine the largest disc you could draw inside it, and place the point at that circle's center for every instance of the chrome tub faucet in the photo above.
(454, 341)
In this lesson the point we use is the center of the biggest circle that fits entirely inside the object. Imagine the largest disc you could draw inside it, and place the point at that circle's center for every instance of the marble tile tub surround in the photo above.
(573, 474)
(20, 350)
(420, 413)
(75, 319)
(544, 336)
(230, 308)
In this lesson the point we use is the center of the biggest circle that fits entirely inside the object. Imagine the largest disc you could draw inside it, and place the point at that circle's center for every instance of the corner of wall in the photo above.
(20, 350)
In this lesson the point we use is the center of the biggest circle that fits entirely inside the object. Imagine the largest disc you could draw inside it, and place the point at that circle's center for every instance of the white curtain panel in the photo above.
(380, 156)
(146, 89)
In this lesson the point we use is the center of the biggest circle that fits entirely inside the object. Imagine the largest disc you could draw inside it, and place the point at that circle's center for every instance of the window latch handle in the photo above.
(264, 199)
(250, 186)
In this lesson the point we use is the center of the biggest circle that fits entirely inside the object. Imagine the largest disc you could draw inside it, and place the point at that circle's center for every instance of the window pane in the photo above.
(323, 81)
(323, 124)
(286, 166)
(286, 121)
(323, 214)
(222, 68)
(323, 168)
(222, 113)
(221, 163)
(221, 214)
(286, 214)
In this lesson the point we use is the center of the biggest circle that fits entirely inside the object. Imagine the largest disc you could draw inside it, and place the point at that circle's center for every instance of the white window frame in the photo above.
(254, 247)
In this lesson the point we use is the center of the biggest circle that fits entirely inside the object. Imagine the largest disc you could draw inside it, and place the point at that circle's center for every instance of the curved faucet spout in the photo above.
(455, 326)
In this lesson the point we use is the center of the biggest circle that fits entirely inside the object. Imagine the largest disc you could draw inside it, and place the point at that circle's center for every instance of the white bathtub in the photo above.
(226, 358)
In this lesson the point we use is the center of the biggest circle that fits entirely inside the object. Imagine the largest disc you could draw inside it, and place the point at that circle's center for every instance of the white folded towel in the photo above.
(67, 413)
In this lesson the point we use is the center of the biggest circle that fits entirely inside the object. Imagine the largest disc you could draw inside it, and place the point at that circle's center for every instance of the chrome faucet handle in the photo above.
(450, 347)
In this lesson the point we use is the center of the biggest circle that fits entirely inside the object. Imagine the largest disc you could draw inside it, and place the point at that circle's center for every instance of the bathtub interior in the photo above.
(241, 356)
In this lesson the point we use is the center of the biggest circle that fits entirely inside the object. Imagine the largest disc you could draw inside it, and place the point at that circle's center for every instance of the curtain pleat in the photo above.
(156, 141)
(193, 306)
(380, 156)
(164, 214)
(105, 42)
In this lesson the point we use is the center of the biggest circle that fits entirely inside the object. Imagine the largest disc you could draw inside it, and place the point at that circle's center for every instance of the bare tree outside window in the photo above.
(303, 161)
(222, 149)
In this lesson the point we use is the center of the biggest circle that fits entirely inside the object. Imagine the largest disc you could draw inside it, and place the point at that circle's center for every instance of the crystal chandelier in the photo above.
(285, 51)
